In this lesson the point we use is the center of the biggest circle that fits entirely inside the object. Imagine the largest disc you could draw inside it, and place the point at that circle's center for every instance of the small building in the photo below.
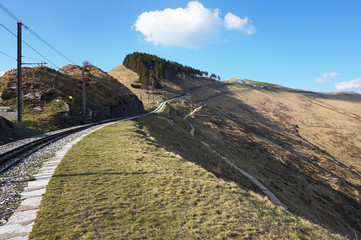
(243, 82)
(267, 87)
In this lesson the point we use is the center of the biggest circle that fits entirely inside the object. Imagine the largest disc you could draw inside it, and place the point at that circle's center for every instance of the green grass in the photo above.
(40, 121)
(117, 183)
(257, 83)
(102, 92)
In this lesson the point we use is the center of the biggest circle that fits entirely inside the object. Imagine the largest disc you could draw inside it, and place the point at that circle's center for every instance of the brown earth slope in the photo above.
(304, 146)
(171, 86)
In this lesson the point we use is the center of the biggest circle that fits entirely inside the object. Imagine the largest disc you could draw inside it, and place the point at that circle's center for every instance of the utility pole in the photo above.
(19, 73)
(83, 88)
(148, 101)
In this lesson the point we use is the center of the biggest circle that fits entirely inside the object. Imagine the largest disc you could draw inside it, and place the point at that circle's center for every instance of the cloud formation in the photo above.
(326, 77)
(2, 73)
(192, 27)
(232, 22)
(353, 84)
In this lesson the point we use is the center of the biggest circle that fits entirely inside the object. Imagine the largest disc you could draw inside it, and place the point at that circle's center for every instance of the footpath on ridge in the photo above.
(263, 188)
(147, 194)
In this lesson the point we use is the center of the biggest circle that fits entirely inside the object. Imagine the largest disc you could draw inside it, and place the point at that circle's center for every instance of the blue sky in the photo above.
(310, 44)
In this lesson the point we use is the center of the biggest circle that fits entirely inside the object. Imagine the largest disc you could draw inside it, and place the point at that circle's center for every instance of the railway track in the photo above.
(9, 158)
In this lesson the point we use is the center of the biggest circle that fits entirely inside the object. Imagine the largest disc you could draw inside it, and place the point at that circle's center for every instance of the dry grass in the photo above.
(303, 146)
(169, 87)
(54, 109)
(150, 99)
(117, 183)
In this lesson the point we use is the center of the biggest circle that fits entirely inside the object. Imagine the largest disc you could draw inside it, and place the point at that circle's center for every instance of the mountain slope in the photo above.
(303, 146)
(168, 86)
(139, 190)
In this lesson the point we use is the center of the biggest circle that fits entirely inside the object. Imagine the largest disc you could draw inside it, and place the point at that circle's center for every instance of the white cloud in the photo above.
(192, 27)
(232, 22)
(353, 84)
(326, 77)
(2, 73)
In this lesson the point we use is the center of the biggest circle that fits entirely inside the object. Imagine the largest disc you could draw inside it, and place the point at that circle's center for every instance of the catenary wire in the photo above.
(10, 13)
(30, 47)
(8, 55)
(48, 44)
(35, 34)
(34, 59)
(7, 29)
(41, 55)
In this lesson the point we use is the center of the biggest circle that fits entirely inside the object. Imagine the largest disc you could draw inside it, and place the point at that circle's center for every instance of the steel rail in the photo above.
(11, 157)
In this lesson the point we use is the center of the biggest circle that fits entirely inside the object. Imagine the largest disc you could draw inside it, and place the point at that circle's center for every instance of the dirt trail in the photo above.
(190, 124)
(263, 188)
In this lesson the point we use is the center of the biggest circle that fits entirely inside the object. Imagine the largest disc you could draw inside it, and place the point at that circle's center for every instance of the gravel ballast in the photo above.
(15, 179)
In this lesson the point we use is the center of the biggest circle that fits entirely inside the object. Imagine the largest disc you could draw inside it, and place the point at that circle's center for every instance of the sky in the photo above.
(306, 44)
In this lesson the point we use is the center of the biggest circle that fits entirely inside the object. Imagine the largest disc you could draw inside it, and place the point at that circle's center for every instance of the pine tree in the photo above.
(143, 64)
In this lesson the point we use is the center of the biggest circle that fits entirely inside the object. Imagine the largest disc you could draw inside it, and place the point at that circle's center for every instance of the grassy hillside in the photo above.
(304, 146)
(46, 102)
(153, 69)
(169, 86)
(126, 186)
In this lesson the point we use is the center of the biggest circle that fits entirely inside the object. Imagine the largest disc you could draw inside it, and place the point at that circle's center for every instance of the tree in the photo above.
(86, 63)
(144, 80)
(143, 64)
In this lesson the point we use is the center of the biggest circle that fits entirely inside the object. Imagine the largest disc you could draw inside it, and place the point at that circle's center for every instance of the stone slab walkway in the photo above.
(20, 224)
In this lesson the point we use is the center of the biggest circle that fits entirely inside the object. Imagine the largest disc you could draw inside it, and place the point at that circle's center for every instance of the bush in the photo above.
(135, 85)
(8, 94)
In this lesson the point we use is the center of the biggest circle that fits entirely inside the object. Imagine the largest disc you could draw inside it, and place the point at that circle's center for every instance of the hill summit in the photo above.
(53, 99)
(152, 69)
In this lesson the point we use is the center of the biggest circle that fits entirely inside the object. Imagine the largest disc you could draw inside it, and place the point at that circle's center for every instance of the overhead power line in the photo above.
(48, 44)
(36, 35)
(7, 29)
(33, 59)
(31, 47)
(10, 13)
(41, 55)
(8, 55)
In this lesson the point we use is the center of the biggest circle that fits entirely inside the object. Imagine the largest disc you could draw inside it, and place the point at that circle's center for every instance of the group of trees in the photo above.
(152, 69)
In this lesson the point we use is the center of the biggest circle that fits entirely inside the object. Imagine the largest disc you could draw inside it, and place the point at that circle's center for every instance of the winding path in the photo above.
(254, 180)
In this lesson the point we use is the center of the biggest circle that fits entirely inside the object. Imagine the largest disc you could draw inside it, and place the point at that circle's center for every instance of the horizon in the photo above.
(308, 45)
